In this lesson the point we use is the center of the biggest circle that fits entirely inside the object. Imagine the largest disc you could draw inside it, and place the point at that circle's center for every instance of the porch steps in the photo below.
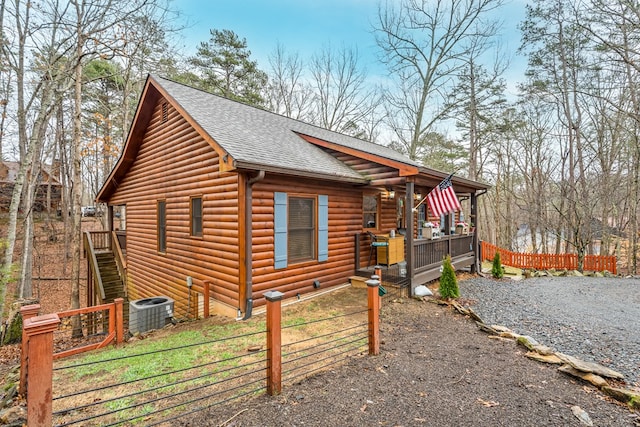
(358, 281)
(111, 281)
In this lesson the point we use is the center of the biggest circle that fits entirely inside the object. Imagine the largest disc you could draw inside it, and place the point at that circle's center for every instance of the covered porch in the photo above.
(426, 240)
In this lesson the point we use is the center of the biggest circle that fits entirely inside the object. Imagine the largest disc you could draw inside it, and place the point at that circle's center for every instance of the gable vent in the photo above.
(165, 112)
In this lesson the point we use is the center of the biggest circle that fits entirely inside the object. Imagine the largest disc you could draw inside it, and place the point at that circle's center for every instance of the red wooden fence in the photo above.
(547, 261)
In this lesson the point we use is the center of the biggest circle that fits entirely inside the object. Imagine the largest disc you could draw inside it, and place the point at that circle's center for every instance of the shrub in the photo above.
(448, 281)
(497, 270)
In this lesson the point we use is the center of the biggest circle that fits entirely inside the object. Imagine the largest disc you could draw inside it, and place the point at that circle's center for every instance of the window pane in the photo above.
(301, 229)
(369, 211)
(196, 216)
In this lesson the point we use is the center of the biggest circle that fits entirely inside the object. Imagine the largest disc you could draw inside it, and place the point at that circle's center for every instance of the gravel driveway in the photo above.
(595, 319)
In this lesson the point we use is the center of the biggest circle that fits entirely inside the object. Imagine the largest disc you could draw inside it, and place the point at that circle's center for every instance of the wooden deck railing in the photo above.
(114, 316)
(547, 261)
(121, 261)
(429, 253)
(94, 271)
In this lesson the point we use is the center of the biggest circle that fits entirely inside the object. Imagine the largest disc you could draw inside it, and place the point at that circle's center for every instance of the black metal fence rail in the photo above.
(224, 373)
(160, 386)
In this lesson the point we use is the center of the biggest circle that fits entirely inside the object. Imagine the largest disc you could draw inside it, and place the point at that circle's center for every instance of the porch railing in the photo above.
(429, 253)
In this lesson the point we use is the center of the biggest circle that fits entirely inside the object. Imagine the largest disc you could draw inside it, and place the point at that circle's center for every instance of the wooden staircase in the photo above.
(108, 270)
(106, 267)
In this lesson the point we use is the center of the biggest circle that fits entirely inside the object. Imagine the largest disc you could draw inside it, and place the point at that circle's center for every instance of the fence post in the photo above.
(27, 312)
(205, 297)
(39, 331)
(274, 342)
(119, 303)
(373, 302)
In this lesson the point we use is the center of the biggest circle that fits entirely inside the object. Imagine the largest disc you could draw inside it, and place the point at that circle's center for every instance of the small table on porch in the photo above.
(393, 253)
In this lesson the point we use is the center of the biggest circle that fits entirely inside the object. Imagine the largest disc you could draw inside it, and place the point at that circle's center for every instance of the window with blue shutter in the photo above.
(280, 229)
(323, 228)
(295, 229)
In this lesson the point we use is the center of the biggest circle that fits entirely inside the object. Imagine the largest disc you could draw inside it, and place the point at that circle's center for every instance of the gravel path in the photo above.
(595, 319)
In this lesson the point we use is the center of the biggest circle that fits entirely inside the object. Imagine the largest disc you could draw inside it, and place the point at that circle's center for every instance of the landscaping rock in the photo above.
(627, 396)
(595, 368)
(527, 342)
(582, 415)
(543, 350)
(422, 291)
(501, 328)
(593, 379)
(551, 358)
(510, 335)
(474, 316)
(487, 329)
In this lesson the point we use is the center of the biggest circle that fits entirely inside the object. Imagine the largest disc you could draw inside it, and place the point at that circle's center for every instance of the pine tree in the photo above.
(448, 281)
(497, 270)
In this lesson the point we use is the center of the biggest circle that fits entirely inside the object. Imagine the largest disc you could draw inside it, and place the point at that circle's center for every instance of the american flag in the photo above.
(442, 199)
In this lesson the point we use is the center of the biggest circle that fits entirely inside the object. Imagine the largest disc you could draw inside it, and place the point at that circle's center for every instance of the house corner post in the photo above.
(39, 331)
(119, 304)
(27, 312)
(475, 267)
(373, 302)
(409, 215)
(274, 342)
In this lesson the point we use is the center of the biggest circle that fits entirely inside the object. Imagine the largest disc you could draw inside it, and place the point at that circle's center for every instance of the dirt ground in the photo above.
(51, 272)
(436, 368)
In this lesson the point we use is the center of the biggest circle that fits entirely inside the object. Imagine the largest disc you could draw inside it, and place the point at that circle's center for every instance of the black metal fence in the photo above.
(152, 384)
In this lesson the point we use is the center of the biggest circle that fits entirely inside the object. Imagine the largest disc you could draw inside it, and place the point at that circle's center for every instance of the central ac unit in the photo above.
(150, 313)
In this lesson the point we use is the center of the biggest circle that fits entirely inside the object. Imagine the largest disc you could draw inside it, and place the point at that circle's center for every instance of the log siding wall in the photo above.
(174, 163)
(345, 221)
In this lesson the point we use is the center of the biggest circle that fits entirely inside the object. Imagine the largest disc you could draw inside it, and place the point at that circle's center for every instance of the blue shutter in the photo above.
(280, 229)
(323, 228)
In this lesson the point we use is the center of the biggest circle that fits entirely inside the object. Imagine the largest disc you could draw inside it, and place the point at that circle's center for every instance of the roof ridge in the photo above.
(282, 116)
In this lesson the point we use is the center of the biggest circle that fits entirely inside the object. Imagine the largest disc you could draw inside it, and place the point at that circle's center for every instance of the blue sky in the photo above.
(300, 25)
(305, 26)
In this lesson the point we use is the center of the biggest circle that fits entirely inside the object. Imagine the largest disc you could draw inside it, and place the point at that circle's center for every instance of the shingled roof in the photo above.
(258, 138)
(250, 138)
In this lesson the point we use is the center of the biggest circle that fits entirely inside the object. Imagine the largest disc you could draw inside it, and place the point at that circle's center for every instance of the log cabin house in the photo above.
(48, 190)
(215, 193)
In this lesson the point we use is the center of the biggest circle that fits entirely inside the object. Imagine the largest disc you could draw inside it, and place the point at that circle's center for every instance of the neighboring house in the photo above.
(48, 191)
(249, 201)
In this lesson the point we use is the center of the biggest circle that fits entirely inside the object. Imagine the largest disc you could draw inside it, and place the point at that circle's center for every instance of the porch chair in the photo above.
(375, 244)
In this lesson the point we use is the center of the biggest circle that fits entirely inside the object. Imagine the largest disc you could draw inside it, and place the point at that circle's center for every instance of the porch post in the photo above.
(408, 207)
(475, 267)
(110, 217)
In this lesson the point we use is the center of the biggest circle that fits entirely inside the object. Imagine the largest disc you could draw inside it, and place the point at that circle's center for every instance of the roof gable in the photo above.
(249, 138)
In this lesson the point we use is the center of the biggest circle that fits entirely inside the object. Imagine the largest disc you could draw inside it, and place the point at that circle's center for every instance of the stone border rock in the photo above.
(590, 372)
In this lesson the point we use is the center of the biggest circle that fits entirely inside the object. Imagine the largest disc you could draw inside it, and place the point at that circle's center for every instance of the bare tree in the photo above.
(341, 99)
(423, 44)
(288, 92)
(36, 84)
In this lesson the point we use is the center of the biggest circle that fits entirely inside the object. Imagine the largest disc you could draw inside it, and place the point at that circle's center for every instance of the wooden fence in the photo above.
(548, 261)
